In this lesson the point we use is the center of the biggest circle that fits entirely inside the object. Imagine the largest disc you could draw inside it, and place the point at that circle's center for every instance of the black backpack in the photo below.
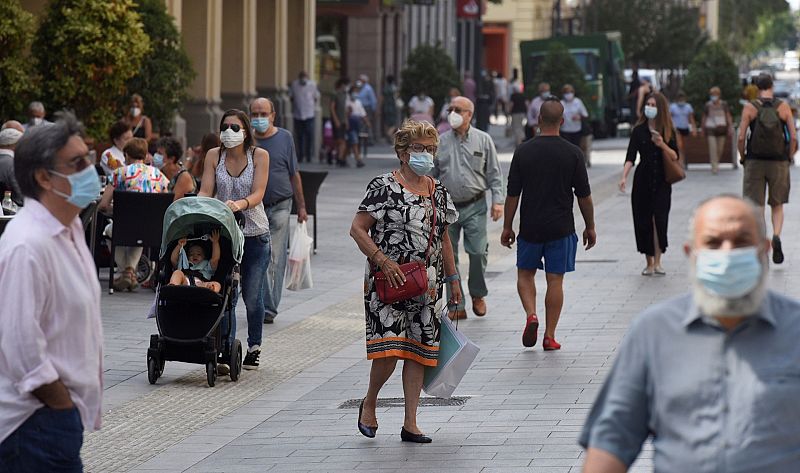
(767, 139)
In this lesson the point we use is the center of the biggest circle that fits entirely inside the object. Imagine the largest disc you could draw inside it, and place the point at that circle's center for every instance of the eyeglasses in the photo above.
(234, 126)
(457, 110)
(78, 163)
(419, 148)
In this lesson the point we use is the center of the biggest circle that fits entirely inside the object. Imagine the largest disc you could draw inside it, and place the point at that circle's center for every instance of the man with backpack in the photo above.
(767, 153)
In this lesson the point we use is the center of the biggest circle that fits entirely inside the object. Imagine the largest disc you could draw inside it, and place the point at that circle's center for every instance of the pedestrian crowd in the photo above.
(720, 394)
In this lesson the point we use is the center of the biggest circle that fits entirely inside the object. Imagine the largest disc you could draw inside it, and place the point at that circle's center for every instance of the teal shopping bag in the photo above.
(456, 354)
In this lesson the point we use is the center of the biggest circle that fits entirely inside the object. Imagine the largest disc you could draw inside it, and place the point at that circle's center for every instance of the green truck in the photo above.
(603, 63)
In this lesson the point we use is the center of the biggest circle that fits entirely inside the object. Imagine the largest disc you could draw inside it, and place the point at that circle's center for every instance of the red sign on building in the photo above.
(468, 8)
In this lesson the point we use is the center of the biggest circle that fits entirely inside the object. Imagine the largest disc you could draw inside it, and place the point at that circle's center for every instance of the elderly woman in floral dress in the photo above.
(392, 226)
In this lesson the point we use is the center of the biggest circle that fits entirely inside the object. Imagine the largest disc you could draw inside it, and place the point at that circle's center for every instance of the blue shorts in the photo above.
(559, 255)
(355, 129)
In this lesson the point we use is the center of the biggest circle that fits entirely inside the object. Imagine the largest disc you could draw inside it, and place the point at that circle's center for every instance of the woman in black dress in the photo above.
(653, 138)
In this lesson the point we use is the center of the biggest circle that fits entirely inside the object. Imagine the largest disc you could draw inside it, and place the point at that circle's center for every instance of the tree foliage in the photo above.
(712, 66)
(86, 52)
(558, 68)
(166, 72)
(738, 22)
(17, 79)
(431, 69)
(664, 35)
(777, 30)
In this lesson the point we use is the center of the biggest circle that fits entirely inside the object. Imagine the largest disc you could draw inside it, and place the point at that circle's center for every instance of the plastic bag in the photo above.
(298, 266)
(456, 354)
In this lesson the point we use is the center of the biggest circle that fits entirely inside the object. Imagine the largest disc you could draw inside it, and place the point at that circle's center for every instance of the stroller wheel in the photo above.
(144, 269)
(153, 371)
(211, 373)
(236, 360)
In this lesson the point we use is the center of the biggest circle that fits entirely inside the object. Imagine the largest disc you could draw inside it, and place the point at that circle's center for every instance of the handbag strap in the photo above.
(433, 219)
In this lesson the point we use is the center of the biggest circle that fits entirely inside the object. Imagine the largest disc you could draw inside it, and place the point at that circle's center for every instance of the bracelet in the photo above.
(374, 253)
(248, 204)
(452, 277)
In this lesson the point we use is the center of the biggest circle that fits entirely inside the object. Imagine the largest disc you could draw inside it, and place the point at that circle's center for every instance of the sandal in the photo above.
(121, 283)
(133, 283)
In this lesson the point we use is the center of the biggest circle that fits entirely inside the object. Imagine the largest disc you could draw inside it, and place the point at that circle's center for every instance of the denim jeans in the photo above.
(255, 263)
(278, 216)
(49, 440)
(304, 135)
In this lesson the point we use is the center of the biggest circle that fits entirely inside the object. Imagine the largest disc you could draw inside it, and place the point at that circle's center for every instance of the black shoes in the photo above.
(777, 250)
(407, 436)
(251, 358)
(365, 430)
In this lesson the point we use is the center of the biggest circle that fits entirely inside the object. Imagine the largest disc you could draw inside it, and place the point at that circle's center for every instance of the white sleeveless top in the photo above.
(239, 187)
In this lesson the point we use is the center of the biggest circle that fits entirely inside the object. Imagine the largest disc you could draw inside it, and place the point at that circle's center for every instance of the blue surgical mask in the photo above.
(260, 124)
(421, 163)
(728, 273)
(85, 187)
(158, 160)
(650, 112)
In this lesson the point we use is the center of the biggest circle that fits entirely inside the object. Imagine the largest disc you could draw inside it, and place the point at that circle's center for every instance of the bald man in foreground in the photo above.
(546, 171)
(713, 376)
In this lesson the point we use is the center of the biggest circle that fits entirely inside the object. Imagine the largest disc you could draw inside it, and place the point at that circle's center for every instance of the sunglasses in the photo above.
(419, 148)
(457, 110)
(235, 127)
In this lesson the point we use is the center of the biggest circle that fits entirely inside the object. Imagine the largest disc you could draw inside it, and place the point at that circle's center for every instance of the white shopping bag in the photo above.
(298, 267)
(456, 354)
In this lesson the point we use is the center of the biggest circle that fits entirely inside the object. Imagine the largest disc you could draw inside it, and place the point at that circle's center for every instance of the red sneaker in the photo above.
(531, 331)
(550, 344)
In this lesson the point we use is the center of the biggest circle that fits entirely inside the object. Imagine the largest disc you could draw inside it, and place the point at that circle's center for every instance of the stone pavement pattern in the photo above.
(525, 407)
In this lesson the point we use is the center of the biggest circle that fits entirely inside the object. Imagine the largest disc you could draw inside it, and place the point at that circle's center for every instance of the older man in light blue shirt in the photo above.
(714, 376)
(468, 167)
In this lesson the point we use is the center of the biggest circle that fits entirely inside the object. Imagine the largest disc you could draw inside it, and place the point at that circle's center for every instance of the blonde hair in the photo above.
(412, 130)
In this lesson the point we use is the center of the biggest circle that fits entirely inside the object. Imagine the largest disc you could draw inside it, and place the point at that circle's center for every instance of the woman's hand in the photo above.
(393, 274)
(657, 139)
(455, 293)
(214, 236)
(622, 185)
(234, 205)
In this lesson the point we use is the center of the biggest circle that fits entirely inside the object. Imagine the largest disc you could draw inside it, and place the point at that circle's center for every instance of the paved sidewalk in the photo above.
(524, 407)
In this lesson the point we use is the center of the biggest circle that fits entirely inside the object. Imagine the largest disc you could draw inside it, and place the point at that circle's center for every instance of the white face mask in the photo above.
(37, 121)
(569, 96)
(136, 111)
(455, 120)
(231, 139)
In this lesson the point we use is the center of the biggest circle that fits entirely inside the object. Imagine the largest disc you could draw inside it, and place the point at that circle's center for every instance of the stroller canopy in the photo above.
(182, 216)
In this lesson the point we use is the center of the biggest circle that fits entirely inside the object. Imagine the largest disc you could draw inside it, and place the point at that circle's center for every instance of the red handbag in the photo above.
(416, 272)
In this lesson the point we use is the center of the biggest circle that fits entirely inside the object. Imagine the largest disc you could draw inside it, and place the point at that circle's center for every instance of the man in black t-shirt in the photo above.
(546, 171)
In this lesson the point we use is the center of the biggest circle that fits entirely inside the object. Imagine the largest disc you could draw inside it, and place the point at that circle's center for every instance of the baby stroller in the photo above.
(189, 318)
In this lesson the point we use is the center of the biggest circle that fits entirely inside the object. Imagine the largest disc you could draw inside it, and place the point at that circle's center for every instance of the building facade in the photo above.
(508, 23)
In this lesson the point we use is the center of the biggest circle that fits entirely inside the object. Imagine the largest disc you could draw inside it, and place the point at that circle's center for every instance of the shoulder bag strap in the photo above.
(433, 219)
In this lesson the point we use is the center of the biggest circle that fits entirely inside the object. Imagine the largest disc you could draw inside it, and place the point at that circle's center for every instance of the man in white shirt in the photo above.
(10, 134)
(305, 97)
(51, 342)
(112, 158)
(533, 109)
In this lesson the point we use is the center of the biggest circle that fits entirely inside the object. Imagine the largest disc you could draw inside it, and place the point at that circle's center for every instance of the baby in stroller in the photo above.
(200, 270)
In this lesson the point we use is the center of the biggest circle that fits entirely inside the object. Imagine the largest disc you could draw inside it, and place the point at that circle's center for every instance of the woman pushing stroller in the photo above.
(200, 270)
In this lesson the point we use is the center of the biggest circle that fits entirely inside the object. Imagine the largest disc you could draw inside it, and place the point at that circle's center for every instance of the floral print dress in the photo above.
(407, 329)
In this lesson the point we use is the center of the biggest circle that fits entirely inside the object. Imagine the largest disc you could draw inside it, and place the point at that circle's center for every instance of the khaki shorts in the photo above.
(762, 174)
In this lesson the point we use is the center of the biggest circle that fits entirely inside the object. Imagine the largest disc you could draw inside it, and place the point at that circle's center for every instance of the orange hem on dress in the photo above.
(403, 354)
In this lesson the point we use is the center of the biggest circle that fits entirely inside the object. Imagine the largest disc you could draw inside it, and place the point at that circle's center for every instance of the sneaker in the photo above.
(251, 359)
(531, 331)
(269, 318)
(777, 250)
